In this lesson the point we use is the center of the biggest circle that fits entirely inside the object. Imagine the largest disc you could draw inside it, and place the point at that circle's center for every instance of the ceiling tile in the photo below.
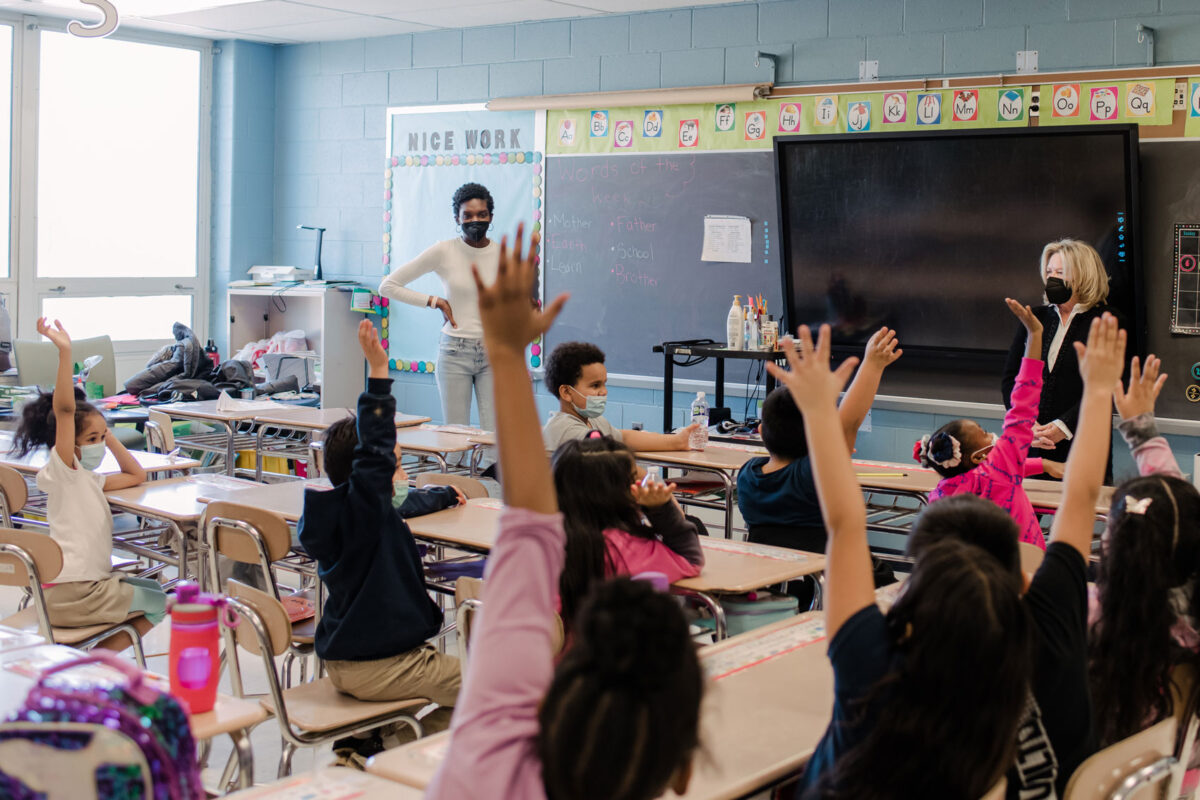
(267, 13)
(350, 27)
(477, 14)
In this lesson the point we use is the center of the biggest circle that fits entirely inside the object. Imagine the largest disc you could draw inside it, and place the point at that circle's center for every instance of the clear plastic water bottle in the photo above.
(699, 437)
(653, 477)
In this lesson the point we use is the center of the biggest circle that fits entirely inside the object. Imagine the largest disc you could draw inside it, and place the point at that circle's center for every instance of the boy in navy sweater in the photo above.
(378, 615)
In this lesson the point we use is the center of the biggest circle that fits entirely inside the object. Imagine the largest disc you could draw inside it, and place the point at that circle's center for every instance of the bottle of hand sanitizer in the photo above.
(733, 325)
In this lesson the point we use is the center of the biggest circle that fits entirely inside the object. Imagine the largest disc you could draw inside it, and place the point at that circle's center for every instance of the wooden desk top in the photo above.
(179, 499)
(423, 441)
(319, 419)
(732, 566)
(33, 461)
(285, 499)
(472, 526)
(330, 783)
(767, 704)
(713, 457)
(207, 409)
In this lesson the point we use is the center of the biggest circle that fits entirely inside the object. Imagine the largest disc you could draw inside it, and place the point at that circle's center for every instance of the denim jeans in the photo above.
(462, 365)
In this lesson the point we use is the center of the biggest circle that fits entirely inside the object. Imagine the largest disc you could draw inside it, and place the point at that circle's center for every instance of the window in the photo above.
(123, 319)
(118, 166)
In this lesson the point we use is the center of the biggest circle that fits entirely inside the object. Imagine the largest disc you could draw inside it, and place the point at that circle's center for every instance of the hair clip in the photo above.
(1135, 506)
(955, 456)
(594, 434)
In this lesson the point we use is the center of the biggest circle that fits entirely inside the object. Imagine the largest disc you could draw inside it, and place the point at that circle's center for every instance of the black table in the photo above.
(716, 352)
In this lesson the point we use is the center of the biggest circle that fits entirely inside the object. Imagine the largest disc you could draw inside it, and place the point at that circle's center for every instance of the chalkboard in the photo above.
(1170, 194)
(624, 235)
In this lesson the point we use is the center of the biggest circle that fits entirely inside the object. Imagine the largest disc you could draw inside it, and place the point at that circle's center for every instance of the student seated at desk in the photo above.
(378, 614)
(927, 698)
(1057, 733)
(970, 459)
(604, 505)
(618, 718)
(576, 375)
(776, 494)
(1143, 619)
(86, 590)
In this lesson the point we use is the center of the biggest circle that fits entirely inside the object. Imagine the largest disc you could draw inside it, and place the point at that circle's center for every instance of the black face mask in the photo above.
(475, 231)
(1057, 292)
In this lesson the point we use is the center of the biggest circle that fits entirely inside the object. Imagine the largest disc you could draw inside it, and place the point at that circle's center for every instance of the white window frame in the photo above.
(23, 283)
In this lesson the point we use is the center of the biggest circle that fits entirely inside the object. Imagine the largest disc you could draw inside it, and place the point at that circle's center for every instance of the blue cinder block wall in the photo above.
(299, 130)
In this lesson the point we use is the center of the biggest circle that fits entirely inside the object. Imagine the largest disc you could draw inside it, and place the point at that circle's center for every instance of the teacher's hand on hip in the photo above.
(443, 305)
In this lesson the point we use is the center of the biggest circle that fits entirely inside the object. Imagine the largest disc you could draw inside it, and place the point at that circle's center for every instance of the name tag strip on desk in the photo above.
(745, 448)
(318, 786)
(464, 430)
(759, 649)
(760, 551)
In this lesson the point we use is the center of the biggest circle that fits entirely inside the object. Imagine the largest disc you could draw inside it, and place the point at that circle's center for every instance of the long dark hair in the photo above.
(622, 714)
(39, 427)
(592, 479)
(1148, 551)
(944, 720)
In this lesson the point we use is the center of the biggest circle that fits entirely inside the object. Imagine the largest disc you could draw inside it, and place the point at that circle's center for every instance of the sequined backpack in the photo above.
(103, 732)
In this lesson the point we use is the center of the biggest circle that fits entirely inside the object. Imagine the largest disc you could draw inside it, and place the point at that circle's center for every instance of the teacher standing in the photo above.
(462, 364)
(1076, 293)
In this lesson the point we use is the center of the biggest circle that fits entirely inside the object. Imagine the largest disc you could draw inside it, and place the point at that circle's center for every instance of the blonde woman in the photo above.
(1076, 286)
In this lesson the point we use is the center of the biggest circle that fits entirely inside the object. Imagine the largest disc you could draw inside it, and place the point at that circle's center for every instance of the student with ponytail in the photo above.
(1146, 618)
(619, 717)
(927, 697)
(86, 591)
(971, 460)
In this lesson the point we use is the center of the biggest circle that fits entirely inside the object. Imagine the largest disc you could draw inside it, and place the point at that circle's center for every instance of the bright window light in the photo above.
(121, 318)
(118, 142)
(6, 44)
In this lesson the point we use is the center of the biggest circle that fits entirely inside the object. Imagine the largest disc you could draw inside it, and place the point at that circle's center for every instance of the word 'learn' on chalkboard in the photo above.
(624, 235)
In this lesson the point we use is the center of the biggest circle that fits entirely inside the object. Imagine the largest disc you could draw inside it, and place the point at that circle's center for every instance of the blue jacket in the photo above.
(376, 603)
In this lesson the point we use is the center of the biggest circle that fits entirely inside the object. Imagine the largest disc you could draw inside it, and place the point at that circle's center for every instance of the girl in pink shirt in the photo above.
(614, 525)
(619, 717)
(971, 460)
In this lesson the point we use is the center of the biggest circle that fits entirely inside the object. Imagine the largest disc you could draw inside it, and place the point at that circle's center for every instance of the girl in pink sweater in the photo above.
(971, 460)
(619, 716)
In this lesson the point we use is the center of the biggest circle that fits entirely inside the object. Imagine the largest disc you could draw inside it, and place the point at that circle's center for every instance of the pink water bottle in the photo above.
(195, 655)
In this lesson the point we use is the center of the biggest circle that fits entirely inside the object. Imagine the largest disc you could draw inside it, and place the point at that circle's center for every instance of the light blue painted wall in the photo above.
(329, 100)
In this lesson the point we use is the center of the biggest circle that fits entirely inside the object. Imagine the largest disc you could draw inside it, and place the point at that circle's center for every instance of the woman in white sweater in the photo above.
(462, 364)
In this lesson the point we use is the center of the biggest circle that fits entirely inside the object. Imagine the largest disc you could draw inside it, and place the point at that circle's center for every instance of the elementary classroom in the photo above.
(598, 400)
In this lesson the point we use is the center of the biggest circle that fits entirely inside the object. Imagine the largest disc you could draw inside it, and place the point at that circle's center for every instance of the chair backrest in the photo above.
(1101, 775)
(37, 361)
(15, 491)
(237, 542)
(159, 432)
(1183, 683)
(272, 613)
(45, 553)
(1031, 557)
(467, 594)
(470, 487)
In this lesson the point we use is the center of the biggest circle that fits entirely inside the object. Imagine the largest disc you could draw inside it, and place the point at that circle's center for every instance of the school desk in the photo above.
(766, 705)
(274, 427)
(236, 428)
(19, 670)
(153, 463)
(435, 444)
(730, 566)
(330, 783)
(719, 459)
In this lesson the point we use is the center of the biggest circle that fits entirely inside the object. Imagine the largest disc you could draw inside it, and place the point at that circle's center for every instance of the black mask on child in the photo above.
(475, 231)
(1057, 292)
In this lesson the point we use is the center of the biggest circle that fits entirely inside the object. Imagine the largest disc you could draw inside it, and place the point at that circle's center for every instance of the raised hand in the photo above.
(883, 348)
(56, 334)
(1025, 314)
(808, 377)
(377, 358)
(656, 494)
(509, 320)
(1102, 359)
(1144, 386)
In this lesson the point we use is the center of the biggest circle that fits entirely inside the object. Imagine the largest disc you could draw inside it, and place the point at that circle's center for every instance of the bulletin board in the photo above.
(431, 151)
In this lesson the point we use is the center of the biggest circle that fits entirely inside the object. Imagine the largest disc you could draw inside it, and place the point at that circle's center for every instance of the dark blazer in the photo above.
(1062, 388)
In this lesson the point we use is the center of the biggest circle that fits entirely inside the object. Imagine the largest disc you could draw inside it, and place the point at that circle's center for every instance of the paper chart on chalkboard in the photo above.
(1185, 297)
(726, 238)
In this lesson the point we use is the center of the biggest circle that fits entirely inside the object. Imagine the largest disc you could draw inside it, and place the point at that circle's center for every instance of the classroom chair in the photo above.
(160, 435)
(467, 592)
(1183, 678)
(1031, 557)
(248, 535)
(29, 559)
(1126, 768)
(37, 362)
(470, 487)
(312, 713)
(14, 493)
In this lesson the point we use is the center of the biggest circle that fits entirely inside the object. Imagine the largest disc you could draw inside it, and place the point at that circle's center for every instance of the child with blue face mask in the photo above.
(576, 375)
(86, 591)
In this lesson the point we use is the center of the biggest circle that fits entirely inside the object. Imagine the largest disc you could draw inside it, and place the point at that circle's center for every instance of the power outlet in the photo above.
(1180, 96)
(1035, 102)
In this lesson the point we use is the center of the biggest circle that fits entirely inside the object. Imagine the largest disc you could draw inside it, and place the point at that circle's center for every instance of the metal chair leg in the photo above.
(245, 757)
(285, 760)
